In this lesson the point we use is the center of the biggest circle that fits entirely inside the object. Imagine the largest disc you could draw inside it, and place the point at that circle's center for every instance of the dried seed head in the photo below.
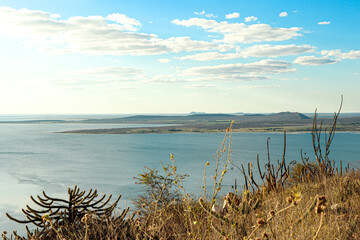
(46, 218)
(261, 221)
(319, 209)
(272, 213)
(322, 200)
(85, 218)
(289, 200)
(321, 204)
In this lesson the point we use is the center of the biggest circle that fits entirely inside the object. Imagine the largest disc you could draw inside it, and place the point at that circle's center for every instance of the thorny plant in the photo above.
(324, 167)
(62, 210)
(273, 177)
(54, 213)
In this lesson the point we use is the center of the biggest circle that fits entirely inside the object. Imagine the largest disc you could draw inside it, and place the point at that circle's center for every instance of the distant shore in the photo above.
(204, 123)
(203, 129)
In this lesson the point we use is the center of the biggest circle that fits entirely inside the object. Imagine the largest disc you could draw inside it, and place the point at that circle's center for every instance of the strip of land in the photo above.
(212, 123)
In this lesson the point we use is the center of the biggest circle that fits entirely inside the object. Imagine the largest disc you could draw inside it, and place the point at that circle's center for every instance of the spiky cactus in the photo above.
(61, 210)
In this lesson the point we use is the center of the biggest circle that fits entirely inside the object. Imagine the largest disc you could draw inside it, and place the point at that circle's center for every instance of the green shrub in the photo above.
(159, 189)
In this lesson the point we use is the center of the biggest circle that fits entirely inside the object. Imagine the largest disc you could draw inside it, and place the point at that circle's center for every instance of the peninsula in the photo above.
(210, 123)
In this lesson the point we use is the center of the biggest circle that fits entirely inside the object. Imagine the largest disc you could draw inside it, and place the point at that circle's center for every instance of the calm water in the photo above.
(33, 158)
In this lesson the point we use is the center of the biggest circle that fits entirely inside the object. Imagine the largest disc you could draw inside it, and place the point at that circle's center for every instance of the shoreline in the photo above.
(203, 129)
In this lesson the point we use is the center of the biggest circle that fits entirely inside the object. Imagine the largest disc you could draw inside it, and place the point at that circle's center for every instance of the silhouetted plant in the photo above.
(66, 211)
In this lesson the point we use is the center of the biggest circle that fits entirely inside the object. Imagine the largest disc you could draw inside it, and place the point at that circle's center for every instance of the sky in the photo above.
(178, 56)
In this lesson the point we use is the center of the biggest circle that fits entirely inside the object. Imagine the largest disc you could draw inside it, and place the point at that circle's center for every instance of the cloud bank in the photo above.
(115, 34)
(312, 60)
(240, 32)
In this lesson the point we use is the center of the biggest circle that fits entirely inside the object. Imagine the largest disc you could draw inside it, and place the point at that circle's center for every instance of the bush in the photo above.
(159, 189)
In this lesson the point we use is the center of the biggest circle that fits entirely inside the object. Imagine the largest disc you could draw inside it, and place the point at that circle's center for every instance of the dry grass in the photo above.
(318, 210)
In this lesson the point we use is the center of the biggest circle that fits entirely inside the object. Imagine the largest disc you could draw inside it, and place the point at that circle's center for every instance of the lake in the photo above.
(34, 158)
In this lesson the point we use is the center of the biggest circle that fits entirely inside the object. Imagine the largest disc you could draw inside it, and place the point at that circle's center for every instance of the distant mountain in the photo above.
(195, 113)
(191, 116)
(209, 115)
(148, 117)
(238, 113)
(286, 116)
(253, 115)
(218, 118)
(282, 116)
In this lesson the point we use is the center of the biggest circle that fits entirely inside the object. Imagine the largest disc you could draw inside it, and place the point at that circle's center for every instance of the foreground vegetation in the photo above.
(313, 199)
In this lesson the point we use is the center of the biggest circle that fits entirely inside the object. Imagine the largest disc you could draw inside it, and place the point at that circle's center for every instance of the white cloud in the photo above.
(312, 60)
(351, 55)
(324, 23)
(164, 60)
(259, 86)
(200, 13)
(251, 19)
(90, 35)
(240, 71)
(199, 22)
(240, 32)
(201, 86)
(229, 78)
(55, 15)
(265, 50)
(128, 23)
(232, 15)
(110, 71)
(338, 54)
(178, 44)
(164, 78)
(211, 15)
(115, 34)
(283, 14)
(203, 13)
(208, 56)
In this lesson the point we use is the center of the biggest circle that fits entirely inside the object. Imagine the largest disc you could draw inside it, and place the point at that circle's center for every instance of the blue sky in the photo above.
(178, 56)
